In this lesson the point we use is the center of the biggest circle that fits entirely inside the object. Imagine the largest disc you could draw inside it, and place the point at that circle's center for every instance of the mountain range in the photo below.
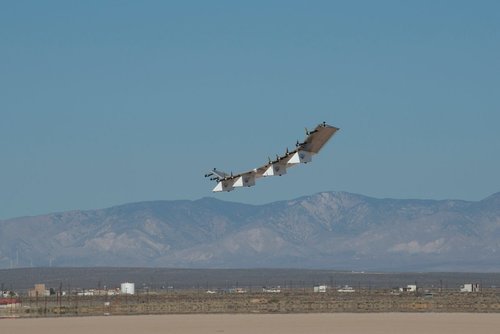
(329, 230)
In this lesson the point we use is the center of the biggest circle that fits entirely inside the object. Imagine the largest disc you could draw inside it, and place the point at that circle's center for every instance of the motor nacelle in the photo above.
(223, 186)
(300, 157)
(276, 169)
(244, 181)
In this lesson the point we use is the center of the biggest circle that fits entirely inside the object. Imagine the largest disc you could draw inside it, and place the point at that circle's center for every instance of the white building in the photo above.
(320, 288)
(470, 287)
(128, 288)
(346, 288)
(409, 288)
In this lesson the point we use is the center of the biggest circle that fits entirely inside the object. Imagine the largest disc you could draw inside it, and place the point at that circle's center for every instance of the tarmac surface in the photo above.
(429, 323)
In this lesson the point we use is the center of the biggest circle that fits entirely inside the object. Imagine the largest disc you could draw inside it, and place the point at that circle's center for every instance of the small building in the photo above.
(409, 288)
(470, 287)
(8, 294)
(346, 288)
(39, 291)
(9, 302)
(128, 288)
(319, 288)
(86, 292)
(101, 292)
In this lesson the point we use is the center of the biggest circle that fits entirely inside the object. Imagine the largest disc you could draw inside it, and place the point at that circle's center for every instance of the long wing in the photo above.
(303, 153)
(317, 138)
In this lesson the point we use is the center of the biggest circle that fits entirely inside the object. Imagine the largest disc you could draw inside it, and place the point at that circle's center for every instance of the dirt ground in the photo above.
(429, 323)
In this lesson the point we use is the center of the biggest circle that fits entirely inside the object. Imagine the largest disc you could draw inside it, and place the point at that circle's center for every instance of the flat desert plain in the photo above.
(429, 323)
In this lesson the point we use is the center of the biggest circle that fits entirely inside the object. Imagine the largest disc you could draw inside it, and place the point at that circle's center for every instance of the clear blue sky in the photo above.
(109, 102)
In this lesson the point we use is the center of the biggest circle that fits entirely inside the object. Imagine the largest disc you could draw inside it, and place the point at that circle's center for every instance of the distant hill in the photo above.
(331, 230)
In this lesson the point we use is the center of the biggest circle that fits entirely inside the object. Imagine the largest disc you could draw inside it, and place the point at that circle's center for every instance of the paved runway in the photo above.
(408, 323)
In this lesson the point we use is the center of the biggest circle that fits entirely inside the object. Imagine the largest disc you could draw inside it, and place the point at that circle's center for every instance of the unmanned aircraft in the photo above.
(303, 153)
